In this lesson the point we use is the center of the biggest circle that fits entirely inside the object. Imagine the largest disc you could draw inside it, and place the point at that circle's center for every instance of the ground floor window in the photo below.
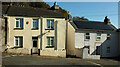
(108, 50)
(50, 41)
(18, 41)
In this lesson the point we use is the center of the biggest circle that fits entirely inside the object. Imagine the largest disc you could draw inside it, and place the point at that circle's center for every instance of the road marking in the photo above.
(94, 63)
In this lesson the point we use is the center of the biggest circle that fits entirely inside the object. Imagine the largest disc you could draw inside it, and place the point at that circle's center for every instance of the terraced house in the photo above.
(47, 32)
(93, 39)
(35, 30)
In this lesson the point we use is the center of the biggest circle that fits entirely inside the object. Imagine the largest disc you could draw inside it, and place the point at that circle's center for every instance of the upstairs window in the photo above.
(98, 38)
(50, 24)
(18, 41)
(87, 36)
(19, 23)
(35, 24)
(108, 36)
(50, 41)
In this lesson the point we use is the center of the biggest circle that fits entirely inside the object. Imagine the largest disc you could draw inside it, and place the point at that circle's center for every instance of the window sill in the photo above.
(98, 40)
(18, 28)
(18, 46)
(49, 46)
(86, 40)
(34, 29)
(49, 29)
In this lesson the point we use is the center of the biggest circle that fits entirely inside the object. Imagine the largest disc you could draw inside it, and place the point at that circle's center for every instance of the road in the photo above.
(8, 59)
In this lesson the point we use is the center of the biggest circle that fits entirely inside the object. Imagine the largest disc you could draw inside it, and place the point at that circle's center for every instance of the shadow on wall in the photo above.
(108, 49)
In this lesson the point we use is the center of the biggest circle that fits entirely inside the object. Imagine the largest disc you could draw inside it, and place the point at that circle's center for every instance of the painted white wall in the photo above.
(104, 43)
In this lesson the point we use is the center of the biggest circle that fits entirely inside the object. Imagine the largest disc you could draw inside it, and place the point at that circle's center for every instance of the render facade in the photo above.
(92, 39)
(35, 33)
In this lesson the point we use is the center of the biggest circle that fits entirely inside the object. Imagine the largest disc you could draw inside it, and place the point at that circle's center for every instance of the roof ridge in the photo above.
(90, 21)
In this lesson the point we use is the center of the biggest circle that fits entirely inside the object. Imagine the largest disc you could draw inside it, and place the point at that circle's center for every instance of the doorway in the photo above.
(35, 45)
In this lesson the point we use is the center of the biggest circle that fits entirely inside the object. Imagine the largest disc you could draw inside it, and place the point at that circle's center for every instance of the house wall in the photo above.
(119, 42)
(71, 50)
(59, 36)
(113, 42)
(58, 33)
(2, 33)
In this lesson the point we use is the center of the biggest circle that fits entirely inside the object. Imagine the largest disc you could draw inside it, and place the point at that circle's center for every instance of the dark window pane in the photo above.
(48, 23)
(34, 43)
(98, 34)
(87, 33)
(20, 41)
(21, 23)
(17, 23)
(87, 37)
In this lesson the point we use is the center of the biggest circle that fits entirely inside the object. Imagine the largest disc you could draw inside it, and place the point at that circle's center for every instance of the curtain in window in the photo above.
(48, 41)
(52, 24)
(35, 23)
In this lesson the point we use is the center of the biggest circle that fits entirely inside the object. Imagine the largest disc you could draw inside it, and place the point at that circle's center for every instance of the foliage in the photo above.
(79, 18)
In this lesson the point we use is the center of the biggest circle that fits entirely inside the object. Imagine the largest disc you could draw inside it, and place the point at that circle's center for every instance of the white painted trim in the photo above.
(38, 22)
(50, 24)
(50, 40)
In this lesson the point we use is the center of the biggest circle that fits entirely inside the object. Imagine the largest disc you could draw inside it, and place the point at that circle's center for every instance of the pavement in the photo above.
(13, 59)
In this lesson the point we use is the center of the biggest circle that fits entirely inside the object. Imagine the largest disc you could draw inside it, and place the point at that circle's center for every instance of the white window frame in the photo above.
(18, 41)
(50, 41)
(50, 24)
(18, 22)
(86, 36)
(98, 36)
(32, 24)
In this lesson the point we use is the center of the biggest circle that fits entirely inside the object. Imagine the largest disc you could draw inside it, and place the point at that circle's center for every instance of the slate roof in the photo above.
(31, 12)
(93, 25)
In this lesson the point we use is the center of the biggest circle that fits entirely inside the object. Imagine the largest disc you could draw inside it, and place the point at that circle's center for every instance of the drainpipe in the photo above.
(68, 20)
(66, 35)
(41, 33)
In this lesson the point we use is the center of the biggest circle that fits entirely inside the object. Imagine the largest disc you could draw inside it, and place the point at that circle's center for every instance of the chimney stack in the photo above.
(106, 20)
(69, 17)
(55, 6)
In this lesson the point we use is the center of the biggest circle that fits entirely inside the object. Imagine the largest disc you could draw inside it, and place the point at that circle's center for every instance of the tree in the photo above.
(79, 18)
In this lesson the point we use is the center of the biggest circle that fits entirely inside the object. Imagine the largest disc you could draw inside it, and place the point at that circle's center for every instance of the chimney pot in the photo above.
(106, 20)
(68, 13)
(55, 3)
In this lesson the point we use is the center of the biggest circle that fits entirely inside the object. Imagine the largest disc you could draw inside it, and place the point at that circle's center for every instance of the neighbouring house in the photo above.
(92, 39)
(119, 41)
(35, 30)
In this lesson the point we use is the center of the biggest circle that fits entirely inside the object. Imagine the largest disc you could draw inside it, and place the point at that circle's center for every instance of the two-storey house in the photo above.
(35, 30)
(92, 39)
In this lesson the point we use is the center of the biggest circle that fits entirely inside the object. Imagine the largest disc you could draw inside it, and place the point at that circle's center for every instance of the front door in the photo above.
(35, 45)
(97, 50)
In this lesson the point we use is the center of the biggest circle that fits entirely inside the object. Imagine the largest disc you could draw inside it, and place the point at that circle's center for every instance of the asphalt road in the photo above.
(39, 60)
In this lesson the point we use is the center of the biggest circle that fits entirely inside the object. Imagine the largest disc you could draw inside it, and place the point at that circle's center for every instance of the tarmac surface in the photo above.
(12, 60)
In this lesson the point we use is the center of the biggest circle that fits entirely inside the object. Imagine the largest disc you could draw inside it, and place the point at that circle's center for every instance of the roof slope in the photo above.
(31, 12)
(93, 25)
